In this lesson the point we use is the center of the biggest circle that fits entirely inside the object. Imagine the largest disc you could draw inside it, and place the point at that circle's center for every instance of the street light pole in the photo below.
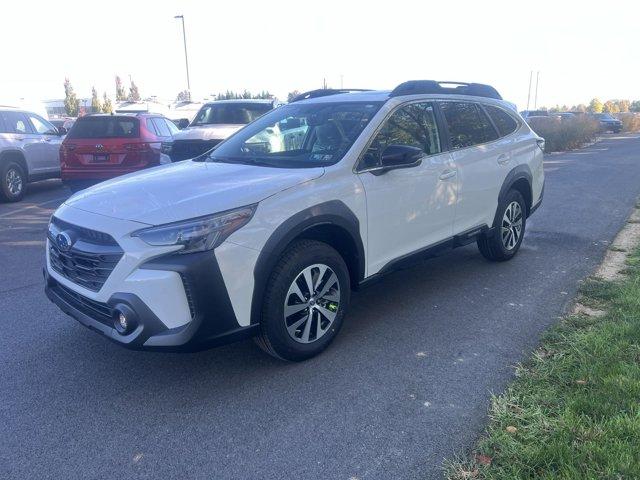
(186, 60)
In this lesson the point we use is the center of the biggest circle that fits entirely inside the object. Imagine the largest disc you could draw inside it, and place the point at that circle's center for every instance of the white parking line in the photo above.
(37, 205)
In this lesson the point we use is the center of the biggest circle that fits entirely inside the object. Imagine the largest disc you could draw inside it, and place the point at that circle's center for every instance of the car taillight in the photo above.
(138, 147)
(67, 147)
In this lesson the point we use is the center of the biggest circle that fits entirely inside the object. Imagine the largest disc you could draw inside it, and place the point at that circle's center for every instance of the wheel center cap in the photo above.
(312, 302)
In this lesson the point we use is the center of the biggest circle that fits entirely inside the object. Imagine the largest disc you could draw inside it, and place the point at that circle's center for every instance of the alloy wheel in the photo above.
(14, 182)
(511, 229)
(312, 303)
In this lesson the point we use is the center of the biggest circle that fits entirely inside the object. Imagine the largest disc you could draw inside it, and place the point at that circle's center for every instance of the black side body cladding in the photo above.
(334, 213)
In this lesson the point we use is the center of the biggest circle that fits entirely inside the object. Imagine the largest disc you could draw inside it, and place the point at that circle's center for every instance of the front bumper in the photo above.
(213, 321)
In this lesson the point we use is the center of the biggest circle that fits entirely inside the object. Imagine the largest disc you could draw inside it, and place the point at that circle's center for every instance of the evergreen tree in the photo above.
(71, 102)
(134, 94)
(96, 107)
(121, 94)
(107, 106)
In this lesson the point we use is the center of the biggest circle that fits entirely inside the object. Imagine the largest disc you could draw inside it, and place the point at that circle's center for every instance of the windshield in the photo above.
(298, 135)
(230, 113)
(105, 127)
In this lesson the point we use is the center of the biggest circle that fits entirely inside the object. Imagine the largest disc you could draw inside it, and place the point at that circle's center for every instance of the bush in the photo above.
(565, 133)
(630, 121)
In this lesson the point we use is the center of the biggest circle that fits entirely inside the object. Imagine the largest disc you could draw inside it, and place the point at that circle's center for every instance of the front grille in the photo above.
(92, 236)
(96, 310)
(91, 258)
(185, 149)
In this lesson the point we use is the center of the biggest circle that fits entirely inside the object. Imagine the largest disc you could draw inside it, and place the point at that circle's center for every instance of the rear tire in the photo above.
(507, 236)
(311, 281)
(13, 181)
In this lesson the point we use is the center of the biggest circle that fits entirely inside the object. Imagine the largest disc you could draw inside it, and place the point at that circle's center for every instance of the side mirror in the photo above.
(183, 123)
(62, 131)
(399, 156)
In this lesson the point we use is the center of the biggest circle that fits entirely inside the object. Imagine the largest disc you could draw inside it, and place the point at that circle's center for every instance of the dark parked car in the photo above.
(608, 123)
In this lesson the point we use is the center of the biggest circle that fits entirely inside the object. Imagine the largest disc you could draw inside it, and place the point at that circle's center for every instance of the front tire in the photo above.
(305, 301)
(13, 182)
(507, 236)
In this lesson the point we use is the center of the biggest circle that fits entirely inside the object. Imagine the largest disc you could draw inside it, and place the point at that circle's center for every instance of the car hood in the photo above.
(187, 189)
(207, 132)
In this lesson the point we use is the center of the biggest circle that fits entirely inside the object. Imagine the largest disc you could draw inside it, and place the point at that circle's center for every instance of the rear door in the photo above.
(479, 159)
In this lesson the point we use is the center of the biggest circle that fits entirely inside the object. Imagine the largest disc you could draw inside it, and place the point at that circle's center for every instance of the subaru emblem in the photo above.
(99, 146)
(63, 240)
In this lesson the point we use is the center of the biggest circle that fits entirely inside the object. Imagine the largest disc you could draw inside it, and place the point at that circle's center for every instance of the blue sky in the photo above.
(582, 49)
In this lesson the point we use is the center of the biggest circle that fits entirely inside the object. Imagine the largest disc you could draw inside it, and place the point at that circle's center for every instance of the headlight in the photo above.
(198, 234)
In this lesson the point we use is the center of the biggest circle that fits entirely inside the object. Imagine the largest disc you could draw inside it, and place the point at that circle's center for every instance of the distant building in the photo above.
(55, 108)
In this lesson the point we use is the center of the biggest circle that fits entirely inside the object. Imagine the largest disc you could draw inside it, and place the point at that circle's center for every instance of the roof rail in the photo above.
(414, 87)
(325, 92)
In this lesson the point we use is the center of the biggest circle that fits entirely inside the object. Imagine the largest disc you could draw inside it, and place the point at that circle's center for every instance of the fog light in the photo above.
(124, 319)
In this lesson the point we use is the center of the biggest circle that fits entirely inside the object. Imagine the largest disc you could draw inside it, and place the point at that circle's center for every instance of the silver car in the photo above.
(29, 151)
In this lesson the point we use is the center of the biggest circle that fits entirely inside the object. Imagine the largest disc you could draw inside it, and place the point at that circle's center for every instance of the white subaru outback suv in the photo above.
(268, 238)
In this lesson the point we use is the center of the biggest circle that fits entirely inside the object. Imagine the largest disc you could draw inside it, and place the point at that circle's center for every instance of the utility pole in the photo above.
(186, 59)
(529, 94)
(535, 102)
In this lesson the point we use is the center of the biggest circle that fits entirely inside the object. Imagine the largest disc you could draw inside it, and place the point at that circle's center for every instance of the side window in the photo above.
(505, 123)
(467, 123)
(16, 122)
(171, 126)
(3, 127)
(413, 125)
(41, 126)
(151, 126)
(161, 127)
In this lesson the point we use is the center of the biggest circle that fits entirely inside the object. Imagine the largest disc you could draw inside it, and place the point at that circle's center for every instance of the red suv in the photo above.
(99, 147)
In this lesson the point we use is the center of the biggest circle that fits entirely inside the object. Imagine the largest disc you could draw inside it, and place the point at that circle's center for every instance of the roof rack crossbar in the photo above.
(325, 92)
(414, 87)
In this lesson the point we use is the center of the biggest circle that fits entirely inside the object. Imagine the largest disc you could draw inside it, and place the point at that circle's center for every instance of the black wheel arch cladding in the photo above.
(333, 214)
(517, 174)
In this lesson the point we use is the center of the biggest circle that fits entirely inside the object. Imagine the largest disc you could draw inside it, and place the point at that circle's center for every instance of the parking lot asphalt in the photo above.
(406, 383)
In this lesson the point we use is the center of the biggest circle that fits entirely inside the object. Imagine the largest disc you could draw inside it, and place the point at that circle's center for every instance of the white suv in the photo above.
(214, 122)
(268, 238)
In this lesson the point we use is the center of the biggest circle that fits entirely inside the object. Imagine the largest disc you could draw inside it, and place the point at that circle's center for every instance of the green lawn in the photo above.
(573, 411)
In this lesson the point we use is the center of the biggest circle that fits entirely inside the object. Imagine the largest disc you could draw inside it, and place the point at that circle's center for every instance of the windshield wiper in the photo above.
(243, 160)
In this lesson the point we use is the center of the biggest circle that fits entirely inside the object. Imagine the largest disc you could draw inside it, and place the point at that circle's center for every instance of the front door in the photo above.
(49, 144)
(412, 208)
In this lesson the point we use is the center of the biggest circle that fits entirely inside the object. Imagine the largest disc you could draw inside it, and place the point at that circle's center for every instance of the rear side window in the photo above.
(505, 123)
(16, 122)
(171, 126)
(161, 127)
(105, 127)
(467, 123)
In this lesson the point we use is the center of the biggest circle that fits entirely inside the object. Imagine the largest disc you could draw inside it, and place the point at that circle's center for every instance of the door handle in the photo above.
(448, 174)
(502, 159)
